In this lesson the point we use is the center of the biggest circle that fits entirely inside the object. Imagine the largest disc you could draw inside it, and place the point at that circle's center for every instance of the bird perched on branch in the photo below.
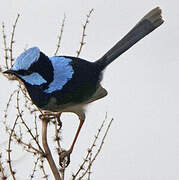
(67, 84)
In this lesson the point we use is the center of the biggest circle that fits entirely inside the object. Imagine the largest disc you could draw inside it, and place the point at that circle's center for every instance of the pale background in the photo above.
(143, 99)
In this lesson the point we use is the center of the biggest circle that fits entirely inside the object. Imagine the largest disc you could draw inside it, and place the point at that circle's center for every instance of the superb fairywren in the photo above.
(67, 84)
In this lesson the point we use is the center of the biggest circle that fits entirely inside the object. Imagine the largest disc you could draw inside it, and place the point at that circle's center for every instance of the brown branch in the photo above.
(12, 40)
(98, 151)
(48, 156)
(82, 43)
(26, 126)
(89, 170)
(3, 176)
(36, 128)
(9, 149)
(58, 124)
(60, 35)
(8, 103)
(34, 169)
(27, 145)
(5, 47)
(43, 169)
(89, 150)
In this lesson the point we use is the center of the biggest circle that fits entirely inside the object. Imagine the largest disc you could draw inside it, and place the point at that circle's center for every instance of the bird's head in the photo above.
(41, 75)
(32, 67)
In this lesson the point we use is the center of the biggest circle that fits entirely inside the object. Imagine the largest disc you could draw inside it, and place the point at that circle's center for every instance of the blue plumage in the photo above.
(62, 71)
(34, 79)
(26, 59)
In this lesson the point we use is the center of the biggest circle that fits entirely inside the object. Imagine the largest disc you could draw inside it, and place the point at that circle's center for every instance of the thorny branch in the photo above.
(2, 171)
(26, 126)
(45, 176)
(89, 170)
(98, 151)
(89, 150)
(5, 47)
(34, 168)
(60, 36)
(82, 43)
(9, 149)
(12, 40)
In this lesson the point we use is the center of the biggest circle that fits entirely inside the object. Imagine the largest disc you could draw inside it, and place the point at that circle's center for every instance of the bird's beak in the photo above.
(9, 71)
(10, 74)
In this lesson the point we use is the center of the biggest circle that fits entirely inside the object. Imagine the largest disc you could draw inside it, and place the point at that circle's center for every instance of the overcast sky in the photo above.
(143, 90)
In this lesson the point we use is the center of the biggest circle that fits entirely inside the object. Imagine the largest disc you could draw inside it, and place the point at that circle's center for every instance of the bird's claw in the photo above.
(64, 158)
(50, 116)
(46, 117)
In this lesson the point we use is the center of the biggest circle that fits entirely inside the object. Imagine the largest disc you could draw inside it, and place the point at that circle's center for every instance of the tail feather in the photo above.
(147, 24)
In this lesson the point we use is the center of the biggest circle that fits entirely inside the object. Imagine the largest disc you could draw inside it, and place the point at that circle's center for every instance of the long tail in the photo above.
(147, 24)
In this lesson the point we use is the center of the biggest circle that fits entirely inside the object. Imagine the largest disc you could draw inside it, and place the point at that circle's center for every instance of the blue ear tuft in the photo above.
(33, 79)
(26, 59)
(63, 72)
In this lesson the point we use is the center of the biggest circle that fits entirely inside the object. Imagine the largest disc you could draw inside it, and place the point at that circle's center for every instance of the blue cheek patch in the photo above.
(33, 79)
(26, 59)
(63, 72)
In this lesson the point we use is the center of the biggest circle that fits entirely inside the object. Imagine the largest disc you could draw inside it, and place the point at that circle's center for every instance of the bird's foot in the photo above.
(64, 158)
(51, 116)
(46, 117)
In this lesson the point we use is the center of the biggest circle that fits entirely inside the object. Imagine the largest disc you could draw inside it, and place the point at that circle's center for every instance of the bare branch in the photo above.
(36, 127)
(60, 36)
(8, 103)
(5, 47)
(89, 150)
(43, 169)
(89, 170)
(26, 126)
(98, 151)
(27, 145)
(48, 156)
(34, 169)
(9, 149)
(3, 176)
(12, 40)
(82, 43)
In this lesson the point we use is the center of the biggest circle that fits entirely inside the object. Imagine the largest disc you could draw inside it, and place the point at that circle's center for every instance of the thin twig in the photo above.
(27, 145)
(43, 169)
(3, 176)
(89, 150)
(98, 151)
(89, 170)
(36, 127)
(5, 47)
(8, 103)
(82, 43)
(34, 169)
(60, 35)
(9, 149)
(58, 125)
(12, 40)
(26, 126)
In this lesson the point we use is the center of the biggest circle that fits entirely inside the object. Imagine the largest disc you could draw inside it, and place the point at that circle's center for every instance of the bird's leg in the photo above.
(65, 155)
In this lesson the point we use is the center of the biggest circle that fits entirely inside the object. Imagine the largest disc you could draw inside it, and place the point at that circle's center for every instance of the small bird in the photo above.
(67, 84)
